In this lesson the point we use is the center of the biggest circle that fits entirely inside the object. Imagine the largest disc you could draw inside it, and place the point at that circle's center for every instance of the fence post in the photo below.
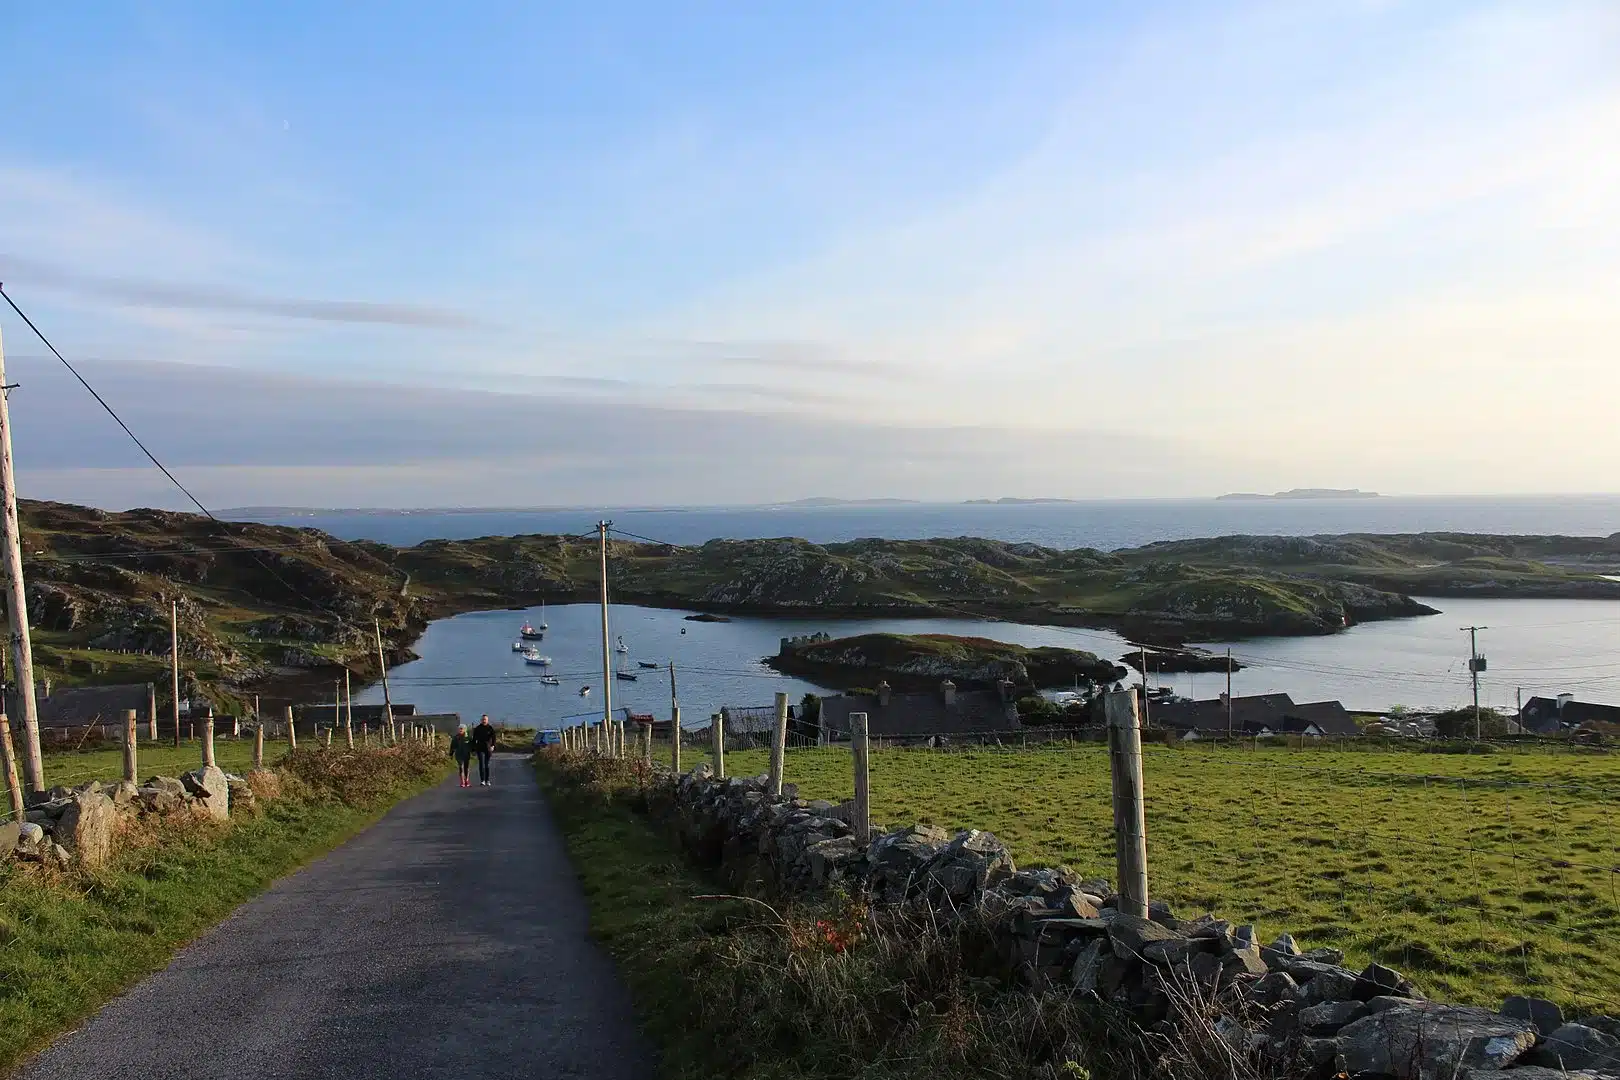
(208, 737)
(258, 745)
(644, 736)
(9, 752)
(863, 778)
(329, 738)
(717, 736)
(675, 739)
(292, 732)
(779, 743)
(1130, 821)
(131, 735)
(151, 712)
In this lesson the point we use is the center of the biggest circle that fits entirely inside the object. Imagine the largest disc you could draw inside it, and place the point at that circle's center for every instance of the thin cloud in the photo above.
(139, 292)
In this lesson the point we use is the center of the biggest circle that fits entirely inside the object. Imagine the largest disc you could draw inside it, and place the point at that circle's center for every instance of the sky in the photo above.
(514, 254)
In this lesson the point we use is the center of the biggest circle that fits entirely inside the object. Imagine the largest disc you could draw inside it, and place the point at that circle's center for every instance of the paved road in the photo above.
(449, 940)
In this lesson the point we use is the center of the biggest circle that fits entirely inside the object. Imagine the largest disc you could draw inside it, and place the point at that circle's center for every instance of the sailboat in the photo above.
(543, 624)
(621, 647)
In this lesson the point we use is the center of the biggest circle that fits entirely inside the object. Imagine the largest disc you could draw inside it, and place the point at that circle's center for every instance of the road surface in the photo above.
(448, 940)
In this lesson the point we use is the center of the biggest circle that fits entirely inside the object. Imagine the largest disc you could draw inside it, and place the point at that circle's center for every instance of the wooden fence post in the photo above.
(717, 735)
(328, 738)
(675, 739)
(151, 711)
(1130, 820)
(9, 752)
(131, 736)
(258, 745)
(858, 752)
(208, 737)
(292, 732)
(779, 743)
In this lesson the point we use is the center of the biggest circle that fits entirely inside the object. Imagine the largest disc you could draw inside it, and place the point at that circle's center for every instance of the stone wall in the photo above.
(1301, 1012)
(81, 825)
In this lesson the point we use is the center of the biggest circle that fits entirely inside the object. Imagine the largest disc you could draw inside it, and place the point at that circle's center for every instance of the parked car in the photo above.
(547, 737)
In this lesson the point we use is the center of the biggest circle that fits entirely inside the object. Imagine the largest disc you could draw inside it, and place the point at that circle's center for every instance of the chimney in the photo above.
(947, 690)
(883, 692)
(1563, 699)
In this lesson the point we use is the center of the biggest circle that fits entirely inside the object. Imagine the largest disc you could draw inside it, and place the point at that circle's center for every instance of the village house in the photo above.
(946, 713)
(1252, 715)
(1552, 715)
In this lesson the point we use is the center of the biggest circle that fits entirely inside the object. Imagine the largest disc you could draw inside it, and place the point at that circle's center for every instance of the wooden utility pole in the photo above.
(859, 752)
(674, 725)
(348, 711)
(9, 753)
(1229, 692)
(174, 664)
(779, 743)
(382, 665)
(1518, 716)
(607, 656)
(1476, 664)
(1130, 822)
(131, 737)
(22, 649)
(1144, 687)
(717, 738)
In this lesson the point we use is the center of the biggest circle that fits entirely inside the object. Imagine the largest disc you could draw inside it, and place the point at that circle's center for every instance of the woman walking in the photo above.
(461, 749)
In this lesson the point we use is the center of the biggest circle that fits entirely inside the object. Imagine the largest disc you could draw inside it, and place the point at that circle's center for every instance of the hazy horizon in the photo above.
(642, 255)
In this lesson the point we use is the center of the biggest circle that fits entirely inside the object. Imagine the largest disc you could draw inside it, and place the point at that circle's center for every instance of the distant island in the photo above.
(822, 500)
(1011, 502)
(1305, 493)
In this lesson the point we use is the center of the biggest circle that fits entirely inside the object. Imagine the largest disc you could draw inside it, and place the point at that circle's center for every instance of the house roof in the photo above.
(1252, 714)
(363, 714)
(1544, 715)
(911, 715)
(75, 706)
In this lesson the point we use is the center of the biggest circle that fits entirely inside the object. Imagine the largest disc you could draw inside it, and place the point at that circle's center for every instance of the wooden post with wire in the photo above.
(9, 753)
(717, 740)
(258, 744)
(292, 730)
(151, 710)
(132, 734)
(382, 666)
(859, 752)
(208, 737)
(674, 725)
(1130, 821)
(348, 711)
(644, 736)
(22, 648)
(779, 743)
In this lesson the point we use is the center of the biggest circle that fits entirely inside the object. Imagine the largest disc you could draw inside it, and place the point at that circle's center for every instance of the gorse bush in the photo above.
(362, 778)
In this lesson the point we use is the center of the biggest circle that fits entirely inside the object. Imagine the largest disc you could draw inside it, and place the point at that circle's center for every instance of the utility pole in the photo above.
(382, 665)
(1144, 687)
(674, 725)
(1518, 716)
(602, 528)
(22, 649)
(1229, 692)
(1476, 664)
(348, 710)
(174, 664)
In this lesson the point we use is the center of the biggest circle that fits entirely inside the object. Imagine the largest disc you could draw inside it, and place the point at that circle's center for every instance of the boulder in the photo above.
(1547, 1016)
(1328, 1017)
(1426, 1041)
(1576, 1046)
(972, 861)
(10, 833)
(1533, 1072)
(1131, 935)
(828, 858)
(1272, 988)
(86, 828)
(170, 784)
(209, 787)
(155, 800)
(1087, 970)
(123, 794)
(29, 836)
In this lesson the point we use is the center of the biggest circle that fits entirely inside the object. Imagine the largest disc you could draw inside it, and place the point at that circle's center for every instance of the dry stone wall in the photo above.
(1302, 1011)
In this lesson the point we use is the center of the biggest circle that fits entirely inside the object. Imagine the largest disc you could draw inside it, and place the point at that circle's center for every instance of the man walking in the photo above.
(483, 741)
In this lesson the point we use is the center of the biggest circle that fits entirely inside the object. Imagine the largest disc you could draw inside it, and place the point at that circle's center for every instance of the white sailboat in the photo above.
(621, 647)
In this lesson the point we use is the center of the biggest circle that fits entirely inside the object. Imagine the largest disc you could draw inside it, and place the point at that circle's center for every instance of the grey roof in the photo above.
(1544, 715)
(363, 714)
(1253, 714)
(75, 706)
(913, 715)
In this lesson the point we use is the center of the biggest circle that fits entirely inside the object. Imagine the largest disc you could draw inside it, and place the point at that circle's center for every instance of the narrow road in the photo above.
(448, 940)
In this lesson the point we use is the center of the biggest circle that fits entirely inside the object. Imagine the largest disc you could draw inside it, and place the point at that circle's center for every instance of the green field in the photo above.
(1477, 875)
(160, 758)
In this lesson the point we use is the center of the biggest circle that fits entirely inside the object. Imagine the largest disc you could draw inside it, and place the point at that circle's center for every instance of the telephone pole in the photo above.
(1476, 664)
(174, 664)
(602, 528)
(1229, 692)
(22, 649)
(382, 666)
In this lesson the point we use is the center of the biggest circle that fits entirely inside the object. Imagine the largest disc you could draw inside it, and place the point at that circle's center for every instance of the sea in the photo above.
(1532, 646)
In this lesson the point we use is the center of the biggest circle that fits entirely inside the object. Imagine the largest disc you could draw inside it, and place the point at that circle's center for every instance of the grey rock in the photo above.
(170, 784)
(1533, 1072)
(1086, 974)
(1174, 951)
(1606, 1024)
(1328, 1017)
(86, 829)
(29, 835)
(58, 856)
(1328, 984)
(1376, 980)
(1544, 1014)
(1160, 912)
(828, 858)
(1425, 1041)
(1272, 988)
(1319, 1051)
(10, 833)
(1208, 926)
(88, 787)
(1245, 959)
(1324, 955)
(1576, 1046)
(122, 793)
(209, 786)
(242, 797)
(1131, 934)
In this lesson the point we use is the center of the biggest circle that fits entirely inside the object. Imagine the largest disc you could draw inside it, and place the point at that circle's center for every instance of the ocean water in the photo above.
(1537, 646)
(1105, 524)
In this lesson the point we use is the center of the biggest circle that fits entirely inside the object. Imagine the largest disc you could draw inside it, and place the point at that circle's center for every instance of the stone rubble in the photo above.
(1298, 1008)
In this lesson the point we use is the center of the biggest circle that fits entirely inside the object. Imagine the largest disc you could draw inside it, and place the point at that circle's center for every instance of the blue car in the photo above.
(547, 737)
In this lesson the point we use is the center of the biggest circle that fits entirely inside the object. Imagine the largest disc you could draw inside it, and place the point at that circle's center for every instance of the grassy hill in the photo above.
(923, 660)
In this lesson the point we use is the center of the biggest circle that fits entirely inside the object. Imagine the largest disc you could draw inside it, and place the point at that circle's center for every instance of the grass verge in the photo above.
(70, 941)
(828, 989)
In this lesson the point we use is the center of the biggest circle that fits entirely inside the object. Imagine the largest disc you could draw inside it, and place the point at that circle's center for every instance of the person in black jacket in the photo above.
(483, 743)
(461, 750)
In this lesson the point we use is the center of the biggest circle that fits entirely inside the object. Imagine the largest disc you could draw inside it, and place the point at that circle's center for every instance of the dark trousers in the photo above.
(483, 765)
(463, 765)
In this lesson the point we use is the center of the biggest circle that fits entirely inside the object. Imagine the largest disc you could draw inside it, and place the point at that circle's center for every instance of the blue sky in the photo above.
(942, 252)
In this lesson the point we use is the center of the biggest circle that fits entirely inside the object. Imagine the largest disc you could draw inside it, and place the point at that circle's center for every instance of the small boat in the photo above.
(621, 647)
(584, 691)
(683, 629)
(543, 625)
(550, 680)
(647, 664)
(536, 659)
(627, 676)
(529, 633)
(518, 646)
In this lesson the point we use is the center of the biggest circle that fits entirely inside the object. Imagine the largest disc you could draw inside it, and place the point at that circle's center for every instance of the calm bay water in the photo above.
(1103, 524)
(467, 665)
